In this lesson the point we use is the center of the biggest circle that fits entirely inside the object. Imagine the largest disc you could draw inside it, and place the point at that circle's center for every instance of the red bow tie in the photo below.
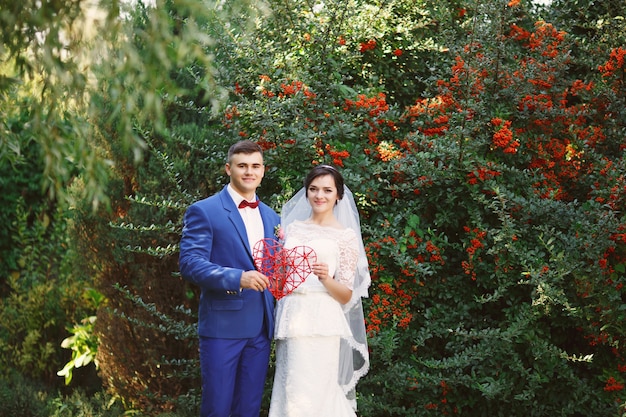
(246, 203)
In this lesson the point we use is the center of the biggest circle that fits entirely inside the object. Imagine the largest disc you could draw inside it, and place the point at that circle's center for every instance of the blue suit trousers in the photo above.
(233, 375)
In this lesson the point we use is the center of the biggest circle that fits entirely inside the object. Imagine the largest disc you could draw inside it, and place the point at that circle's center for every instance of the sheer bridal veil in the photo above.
(354, 357)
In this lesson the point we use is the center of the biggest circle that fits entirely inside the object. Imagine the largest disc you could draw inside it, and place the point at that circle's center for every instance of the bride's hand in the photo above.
(336, 289)
(321, 271)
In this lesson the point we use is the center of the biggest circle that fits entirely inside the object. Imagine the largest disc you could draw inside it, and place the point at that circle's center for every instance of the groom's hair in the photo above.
(244, 146)
(320, 170)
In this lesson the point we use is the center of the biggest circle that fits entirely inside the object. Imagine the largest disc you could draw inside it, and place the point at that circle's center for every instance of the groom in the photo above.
(236, 313)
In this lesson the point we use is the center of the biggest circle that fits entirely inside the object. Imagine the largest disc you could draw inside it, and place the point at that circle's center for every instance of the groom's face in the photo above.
(246, 172)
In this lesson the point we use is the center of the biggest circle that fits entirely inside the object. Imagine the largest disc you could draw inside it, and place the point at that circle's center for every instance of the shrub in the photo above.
(20, 396)
(44, 295)
(492, 248)
(80, 404)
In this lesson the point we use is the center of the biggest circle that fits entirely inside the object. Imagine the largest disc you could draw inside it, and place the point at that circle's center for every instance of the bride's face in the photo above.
(322, 194)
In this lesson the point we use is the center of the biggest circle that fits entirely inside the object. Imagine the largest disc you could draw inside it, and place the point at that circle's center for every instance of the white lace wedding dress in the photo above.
(310, 326)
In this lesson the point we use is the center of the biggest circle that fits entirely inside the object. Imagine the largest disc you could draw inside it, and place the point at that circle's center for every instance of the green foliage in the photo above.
(147, 347)
(79, 404)
(42, 295)
(42, 90)
(39, 287)
(84, 346)
(83, 342)
(20, 180)
(182, 370)
(89, 57)
(19, 396)
(594, 27)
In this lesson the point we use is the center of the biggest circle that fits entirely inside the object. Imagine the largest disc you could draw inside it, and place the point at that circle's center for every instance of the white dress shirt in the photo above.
(251, 219)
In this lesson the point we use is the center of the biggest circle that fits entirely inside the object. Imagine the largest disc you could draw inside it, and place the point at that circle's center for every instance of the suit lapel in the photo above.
(236, 220)
(267, 226)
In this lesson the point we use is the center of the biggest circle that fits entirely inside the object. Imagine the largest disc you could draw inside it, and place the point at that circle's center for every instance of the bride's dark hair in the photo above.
(320, 170)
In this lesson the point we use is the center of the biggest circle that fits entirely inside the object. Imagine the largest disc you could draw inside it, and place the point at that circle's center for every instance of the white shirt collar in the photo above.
(237, 198)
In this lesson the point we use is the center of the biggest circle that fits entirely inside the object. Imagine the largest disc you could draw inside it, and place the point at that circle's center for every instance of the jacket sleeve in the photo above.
(196, 250)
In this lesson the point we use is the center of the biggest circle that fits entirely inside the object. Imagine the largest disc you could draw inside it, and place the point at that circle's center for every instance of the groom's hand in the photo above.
(254, 280)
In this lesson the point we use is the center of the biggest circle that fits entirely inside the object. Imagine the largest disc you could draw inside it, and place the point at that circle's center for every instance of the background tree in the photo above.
(71, 72)
(474, 199)
(146, 336)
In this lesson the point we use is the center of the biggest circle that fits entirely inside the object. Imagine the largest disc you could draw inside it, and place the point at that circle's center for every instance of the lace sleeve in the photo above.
(348, 255)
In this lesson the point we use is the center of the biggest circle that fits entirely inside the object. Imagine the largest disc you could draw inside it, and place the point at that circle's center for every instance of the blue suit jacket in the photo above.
(214, 252)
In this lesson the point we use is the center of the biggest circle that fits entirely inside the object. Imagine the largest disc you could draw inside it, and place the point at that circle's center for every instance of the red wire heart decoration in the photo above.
(285, 268)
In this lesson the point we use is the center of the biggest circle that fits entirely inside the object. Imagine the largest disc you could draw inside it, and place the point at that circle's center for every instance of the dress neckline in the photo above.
(306, 222)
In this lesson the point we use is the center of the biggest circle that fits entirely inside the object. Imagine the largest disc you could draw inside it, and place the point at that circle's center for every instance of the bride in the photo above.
(321, 347)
